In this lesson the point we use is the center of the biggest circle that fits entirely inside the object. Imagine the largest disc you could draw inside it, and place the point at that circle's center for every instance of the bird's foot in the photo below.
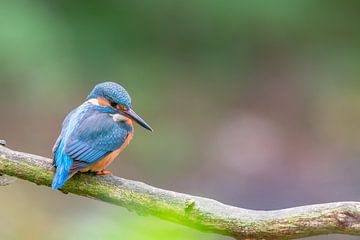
(103, 172)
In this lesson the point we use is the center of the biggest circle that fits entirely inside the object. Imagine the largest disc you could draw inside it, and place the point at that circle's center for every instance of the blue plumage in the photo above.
(113, 91)
(88, 136)
(93, 131)
(62, 163)
(105, 136)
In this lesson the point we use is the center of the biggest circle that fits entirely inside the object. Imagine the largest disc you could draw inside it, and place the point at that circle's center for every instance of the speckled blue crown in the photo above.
(111, 91)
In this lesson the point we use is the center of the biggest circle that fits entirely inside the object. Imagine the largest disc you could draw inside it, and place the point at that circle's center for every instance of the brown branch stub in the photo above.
(349, 218)
(201, 213)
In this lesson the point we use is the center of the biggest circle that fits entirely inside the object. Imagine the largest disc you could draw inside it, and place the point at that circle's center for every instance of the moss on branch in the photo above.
(197, 212)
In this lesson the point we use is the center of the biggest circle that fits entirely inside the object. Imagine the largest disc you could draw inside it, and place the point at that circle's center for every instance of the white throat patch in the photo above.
(93, 101)
(118, 117)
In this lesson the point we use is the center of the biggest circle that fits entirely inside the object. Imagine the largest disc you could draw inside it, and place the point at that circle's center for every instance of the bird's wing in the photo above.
(64, 124)
(96, 136)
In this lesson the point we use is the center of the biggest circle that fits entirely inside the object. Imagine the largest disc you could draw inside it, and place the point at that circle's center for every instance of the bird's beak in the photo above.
(131, 114)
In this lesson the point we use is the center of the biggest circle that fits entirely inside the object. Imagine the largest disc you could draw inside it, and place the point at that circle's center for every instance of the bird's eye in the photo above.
(113, 104)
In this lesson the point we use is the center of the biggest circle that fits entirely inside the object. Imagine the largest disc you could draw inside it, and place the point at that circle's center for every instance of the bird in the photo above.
(94, 133)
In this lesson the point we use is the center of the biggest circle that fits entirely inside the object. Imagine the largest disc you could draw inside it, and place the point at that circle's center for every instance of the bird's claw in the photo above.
(103, 172)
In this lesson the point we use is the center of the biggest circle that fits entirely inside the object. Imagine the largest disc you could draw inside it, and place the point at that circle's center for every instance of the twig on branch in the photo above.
(201, 213)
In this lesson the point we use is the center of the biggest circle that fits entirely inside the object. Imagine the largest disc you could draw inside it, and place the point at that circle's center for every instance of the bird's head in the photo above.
(113, 98)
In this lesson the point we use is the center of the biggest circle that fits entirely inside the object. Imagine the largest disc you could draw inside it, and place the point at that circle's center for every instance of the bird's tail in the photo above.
(62, 174)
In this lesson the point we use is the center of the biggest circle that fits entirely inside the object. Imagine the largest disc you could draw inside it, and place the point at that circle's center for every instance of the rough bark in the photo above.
(197, 212)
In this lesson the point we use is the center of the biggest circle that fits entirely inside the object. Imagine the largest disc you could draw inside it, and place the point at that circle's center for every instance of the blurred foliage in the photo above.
(259, 96)
(128, 227)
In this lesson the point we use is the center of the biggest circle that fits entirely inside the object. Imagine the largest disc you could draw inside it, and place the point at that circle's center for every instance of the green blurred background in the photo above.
(254, 103)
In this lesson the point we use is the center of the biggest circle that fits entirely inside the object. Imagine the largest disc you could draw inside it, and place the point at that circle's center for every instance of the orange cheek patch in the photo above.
(103, 102)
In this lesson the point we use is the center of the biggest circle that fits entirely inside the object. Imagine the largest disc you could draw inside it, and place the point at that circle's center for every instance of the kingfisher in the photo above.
(94, 133)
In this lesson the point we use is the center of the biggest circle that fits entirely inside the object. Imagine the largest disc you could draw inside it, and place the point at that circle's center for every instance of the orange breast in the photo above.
(103, 163)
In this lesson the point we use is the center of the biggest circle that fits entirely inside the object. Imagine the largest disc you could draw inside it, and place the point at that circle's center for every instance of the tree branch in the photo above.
(201, 213)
